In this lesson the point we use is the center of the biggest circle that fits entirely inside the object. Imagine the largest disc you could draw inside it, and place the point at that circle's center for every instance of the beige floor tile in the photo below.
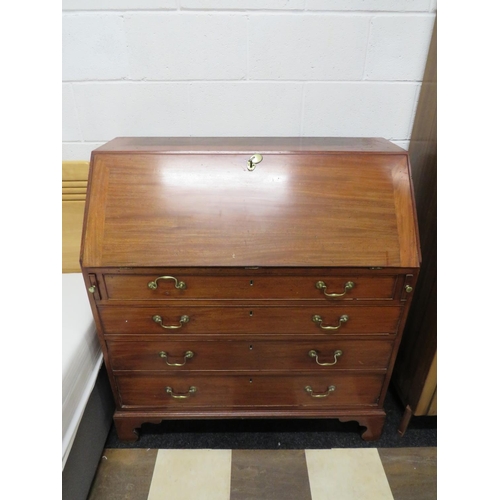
(347, 474)
(191, 475)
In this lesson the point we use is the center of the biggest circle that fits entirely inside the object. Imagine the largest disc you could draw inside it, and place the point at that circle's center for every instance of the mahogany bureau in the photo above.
(241, 278)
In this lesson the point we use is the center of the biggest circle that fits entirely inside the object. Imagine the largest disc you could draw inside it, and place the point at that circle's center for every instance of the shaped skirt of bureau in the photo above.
(246, 278)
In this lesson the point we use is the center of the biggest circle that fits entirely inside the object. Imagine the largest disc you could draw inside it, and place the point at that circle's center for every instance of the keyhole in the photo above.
(251, 282)
(250, 381)
(251, 313)
(251, 347)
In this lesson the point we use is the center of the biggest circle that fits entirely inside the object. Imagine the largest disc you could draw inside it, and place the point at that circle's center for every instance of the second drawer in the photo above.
(249, 355)
(194, 320)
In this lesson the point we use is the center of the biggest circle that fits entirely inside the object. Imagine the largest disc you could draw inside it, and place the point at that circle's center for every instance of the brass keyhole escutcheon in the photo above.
(253, 160)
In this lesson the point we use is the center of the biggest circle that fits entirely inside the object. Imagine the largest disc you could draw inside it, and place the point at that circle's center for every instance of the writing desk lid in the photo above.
(194, 202)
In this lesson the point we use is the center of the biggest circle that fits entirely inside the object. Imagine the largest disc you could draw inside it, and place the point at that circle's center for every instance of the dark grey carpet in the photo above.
(281, 434)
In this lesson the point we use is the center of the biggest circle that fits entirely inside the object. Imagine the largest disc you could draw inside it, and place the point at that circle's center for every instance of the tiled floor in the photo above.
(209, 474)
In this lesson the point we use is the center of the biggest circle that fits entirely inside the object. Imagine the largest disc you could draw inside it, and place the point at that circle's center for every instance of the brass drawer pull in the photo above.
(320, 285)
(178, 284)
(170, 391)
(187, 355)
(315, 354)
(158, 319)
(309, 390)
(319, 321)
(253, 160)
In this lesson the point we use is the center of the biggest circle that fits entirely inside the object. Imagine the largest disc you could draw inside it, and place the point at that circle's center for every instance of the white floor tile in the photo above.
(347, 474)
(191, 475)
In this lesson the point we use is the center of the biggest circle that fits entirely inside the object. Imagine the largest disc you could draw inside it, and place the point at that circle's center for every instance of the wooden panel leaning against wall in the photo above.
(74, 191)
(415, 371)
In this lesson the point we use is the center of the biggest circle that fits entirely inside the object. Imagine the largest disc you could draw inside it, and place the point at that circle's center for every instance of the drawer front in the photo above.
(172, 286)
(250, 390)
(185, 355)
(193, 320)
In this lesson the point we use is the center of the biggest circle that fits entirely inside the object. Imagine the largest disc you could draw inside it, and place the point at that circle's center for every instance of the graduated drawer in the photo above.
(255, 390)
(192, 319)
(185, 355)
(179, 286)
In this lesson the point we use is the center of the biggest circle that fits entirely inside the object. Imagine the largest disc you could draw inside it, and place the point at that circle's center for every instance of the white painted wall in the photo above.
(241, 68)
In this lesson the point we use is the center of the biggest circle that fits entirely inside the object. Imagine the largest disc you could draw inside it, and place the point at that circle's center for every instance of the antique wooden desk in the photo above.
(264, 277)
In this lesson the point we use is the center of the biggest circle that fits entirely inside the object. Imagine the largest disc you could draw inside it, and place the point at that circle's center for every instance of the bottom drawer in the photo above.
(249, 390)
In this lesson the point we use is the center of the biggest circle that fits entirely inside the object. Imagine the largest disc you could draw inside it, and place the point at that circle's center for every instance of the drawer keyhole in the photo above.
(251, 282)
(251, 313)
(251, 347)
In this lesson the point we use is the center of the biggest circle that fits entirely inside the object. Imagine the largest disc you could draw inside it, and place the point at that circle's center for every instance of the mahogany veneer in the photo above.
(210, 278)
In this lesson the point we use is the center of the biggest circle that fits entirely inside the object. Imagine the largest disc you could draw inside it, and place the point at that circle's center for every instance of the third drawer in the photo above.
(242, 355)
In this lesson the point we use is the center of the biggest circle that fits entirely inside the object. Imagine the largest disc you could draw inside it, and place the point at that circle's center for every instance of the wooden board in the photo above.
(74, 191)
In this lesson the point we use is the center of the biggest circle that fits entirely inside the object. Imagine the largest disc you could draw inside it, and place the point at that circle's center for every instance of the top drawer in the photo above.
(187, 287)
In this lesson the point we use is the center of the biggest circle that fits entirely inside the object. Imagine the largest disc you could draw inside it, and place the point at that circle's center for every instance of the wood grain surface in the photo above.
(250, 287)
(74, 191)
(250, 354)
(281, 145)
(210, 210)
(249, 390)
(133, 320)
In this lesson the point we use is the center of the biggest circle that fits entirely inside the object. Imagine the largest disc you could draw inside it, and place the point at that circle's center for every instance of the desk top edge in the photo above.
(221, 145)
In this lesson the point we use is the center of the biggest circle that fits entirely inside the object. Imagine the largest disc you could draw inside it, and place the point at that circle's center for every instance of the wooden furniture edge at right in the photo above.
(415, 371)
